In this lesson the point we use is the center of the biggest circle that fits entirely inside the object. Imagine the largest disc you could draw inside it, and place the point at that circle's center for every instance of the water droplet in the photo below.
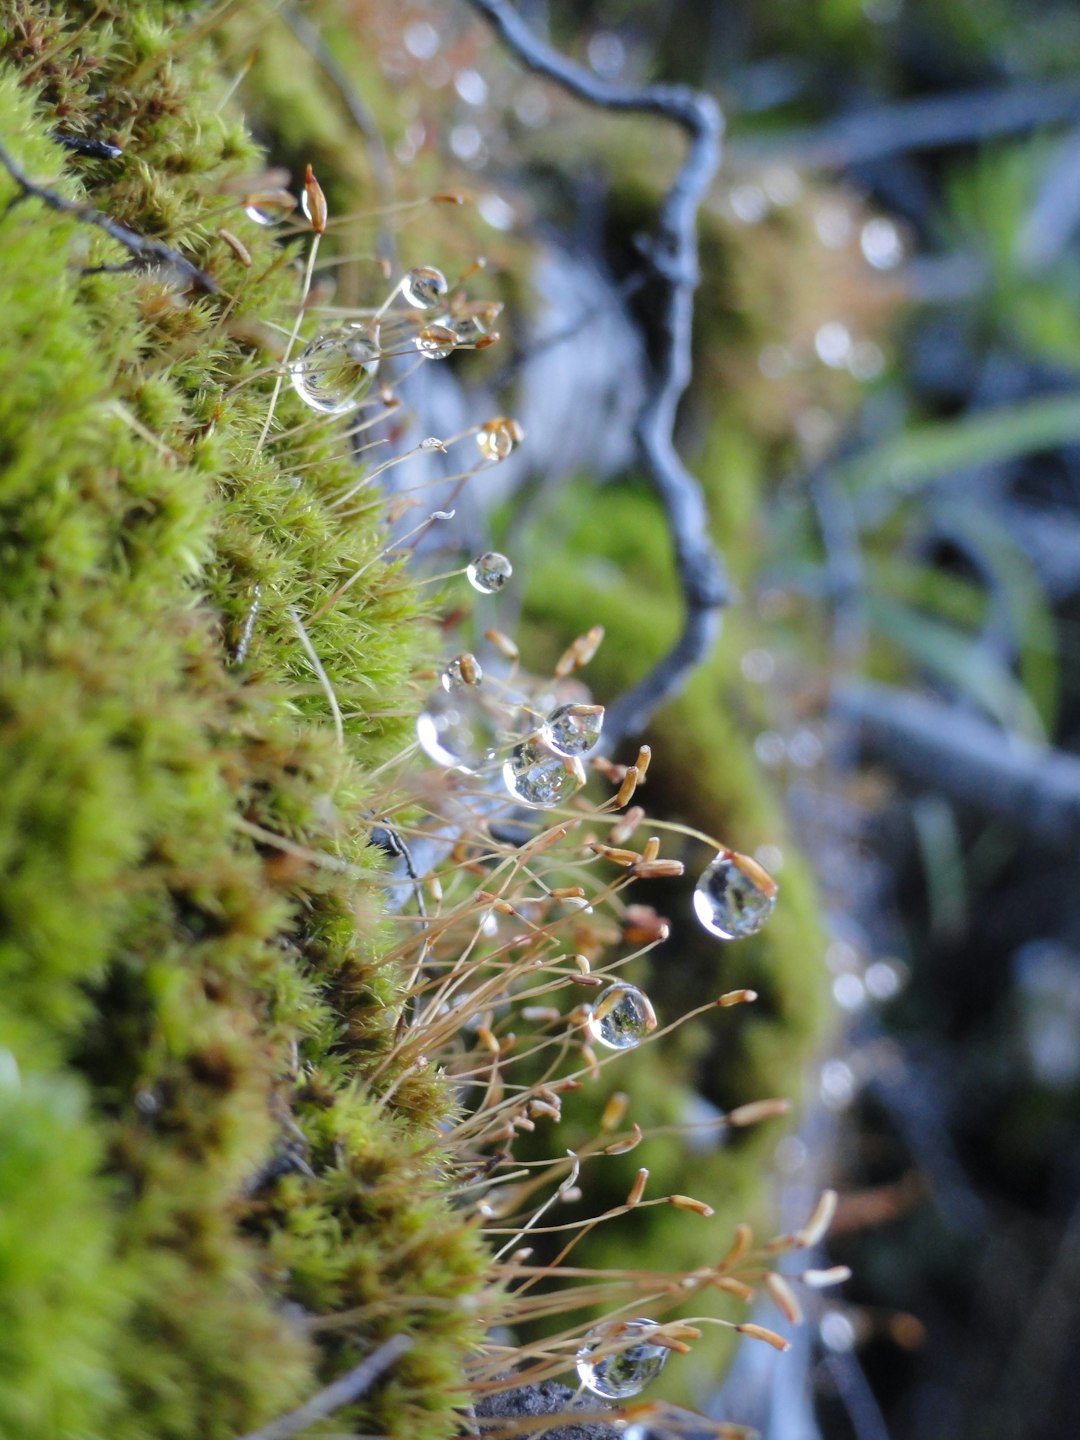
(622, 1017)
(335, 371)
(269, 207)
(629, 1361)
(435, 342)
(540, 778)
(456, 728)
(837, 1332)
(423, 287)
(499, 437)
(489, 572)
(734, 896)
(464, 669)
(471, 86)
(833, 343)
(574, 729)
(421, 39)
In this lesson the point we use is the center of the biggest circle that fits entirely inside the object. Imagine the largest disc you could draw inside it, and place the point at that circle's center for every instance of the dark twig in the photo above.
(145, 252)
(350, 1387)
(672, 259)
(1033, 788)
(966, 117)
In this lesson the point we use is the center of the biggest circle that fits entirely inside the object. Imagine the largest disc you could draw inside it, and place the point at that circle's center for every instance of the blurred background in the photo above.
(885, 421)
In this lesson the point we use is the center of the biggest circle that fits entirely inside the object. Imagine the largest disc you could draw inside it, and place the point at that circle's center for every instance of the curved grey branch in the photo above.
(671, 256)
(142, 250)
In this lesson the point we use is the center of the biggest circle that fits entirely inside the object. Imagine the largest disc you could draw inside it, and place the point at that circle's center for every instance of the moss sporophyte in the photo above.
(271, 1107)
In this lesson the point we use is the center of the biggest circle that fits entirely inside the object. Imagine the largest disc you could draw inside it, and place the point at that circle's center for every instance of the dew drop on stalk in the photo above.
(621, 1017)
(334, 372)
(574, 729)
(734, 896)
(270, 208)
(423, 287)
(464, 669)
(489, 572)
(435, 342)
(538, 777)
(622, 1372)
(499, 437)
(456, 729)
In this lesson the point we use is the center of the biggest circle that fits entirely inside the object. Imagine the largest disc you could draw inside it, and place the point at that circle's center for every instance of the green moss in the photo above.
(163, 970)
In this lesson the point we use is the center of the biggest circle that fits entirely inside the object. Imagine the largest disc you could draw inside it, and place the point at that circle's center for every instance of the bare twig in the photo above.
(142, 251)
(1033, 788)
(350, 1387)
(381, 171)
(672, 259)
(931, 123)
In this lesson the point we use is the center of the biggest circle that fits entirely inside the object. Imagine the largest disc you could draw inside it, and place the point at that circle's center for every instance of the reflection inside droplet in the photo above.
(621, 1017)
(536, 776)
(574, 729)
(489, 572)
(423, 287)
(457, 729)
(734, 897)
(334, 372)
(629, 1364)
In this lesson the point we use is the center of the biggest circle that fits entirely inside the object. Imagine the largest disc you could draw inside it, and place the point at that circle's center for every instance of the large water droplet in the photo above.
(499, 437)
(335, 371)
(457, 729)
(435, 342)
(536, 776)
(489, 572)
(628, 1365)
(423, 287)
(734, 896)
(622, 1017)
(574, 729)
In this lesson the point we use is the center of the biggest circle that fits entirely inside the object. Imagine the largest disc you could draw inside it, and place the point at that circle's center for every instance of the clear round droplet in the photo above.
(499, 437)
(423, 287)
(435, 342)
(464, 669)
(537, 777)
(456, 729)
(734, 896)
(335, 371)
(574, 729)
(621, 1017)
(622, 1371)
(489, 572)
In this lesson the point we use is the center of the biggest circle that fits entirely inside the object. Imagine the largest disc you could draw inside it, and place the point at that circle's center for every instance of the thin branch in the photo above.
(671, 256)
(143, 251)
(382, 173)
(963, 118)
(350, 1387)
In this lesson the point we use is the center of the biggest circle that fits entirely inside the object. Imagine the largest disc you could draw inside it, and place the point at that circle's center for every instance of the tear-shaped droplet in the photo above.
(269, 207)
(468, 329)
(734, 896)
(538, 777)
(499, 437)
(457, 729)
(489, 572)
(621, 1017)
(423, 287)
(335, 371)
(435, 342)
(617, 1360)
(574, 729)
(464, 669)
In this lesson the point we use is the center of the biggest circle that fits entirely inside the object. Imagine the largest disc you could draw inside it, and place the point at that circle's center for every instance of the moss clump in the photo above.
(194, 1169)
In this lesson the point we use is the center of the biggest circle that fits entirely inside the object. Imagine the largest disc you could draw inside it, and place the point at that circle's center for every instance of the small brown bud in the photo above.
(783, 1298)
(637, 1189)
(737, 997)
(314, 202)
(237, 246)
(687, 1202)
(759, 1332)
